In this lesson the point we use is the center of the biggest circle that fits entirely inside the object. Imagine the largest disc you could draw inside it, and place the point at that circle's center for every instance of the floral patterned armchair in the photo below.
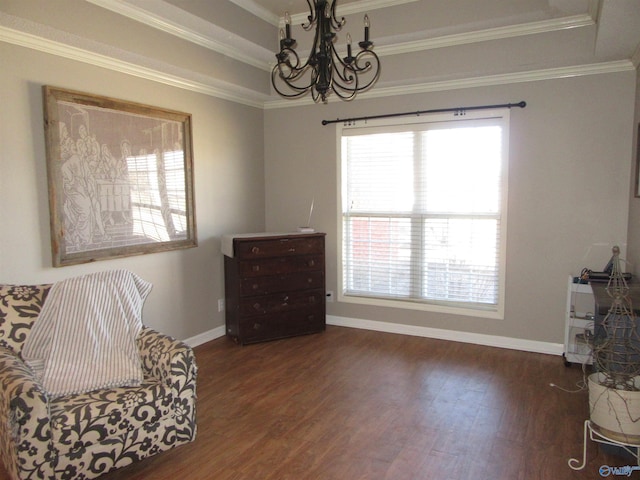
(86, 435)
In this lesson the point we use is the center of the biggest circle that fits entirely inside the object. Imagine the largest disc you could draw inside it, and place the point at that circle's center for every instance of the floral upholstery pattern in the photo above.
(20, 305)
(84, 436)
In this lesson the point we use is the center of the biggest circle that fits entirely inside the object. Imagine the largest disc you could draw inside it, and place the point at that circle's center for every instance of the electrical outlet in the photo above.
(329, 296)
(221, 304)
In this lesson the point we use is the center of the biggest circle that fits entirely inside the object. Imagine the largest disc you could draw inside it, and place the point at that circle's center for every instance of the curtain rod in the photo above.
(459, 110)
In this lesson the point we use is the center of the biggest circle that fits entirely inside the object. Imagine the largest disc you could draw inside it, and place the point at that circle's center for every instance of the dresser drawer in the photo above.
(281, 283)
(279, 247)
(281, 302)
(282, 325)
(274, 285)
(280, 265)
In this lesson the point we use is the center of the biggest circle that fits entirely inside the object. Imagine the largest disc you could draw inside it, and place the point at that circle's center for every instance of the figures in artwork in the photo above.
(119, 179)
(81, 206)
(95, 185)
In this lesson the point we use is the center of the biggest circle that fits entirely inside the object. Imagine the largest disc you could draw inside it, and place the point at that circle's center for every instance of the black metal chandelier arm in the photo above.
(291, 77)
(335, 23)
(367, 62)
(346, 84)
(347, 78)
(294, 91)
(312, 18)
(343, 68)
(289, 74)
(318, 11)
(356, 74)
(344, 93)
(284, 59)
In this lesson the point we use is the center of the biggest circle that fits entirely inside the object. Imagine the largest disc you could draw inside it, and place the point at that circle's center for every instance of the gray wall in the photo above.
(634, 205)
(570, 151)
(229, 186)
(571, 155)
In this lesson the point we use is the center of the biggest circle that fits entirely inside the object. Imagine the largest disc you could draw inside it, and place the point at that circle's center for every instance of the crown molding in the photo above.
(395, 46)
(498, 33)
(258, 11)
(361, 6)
(174, 21)
(473, 82)
(277, 19)
(38, 37)
(123, 62)
(635, 59)
(595, 9)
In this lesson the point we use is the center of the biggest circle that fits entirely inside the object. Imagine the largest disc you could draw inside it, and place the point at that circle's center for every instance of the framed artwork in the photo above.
(120, 177)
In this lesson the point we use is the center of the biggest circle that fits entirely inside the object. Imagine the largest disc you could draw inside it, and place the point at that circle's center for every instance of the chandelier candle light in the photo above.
(324, 70)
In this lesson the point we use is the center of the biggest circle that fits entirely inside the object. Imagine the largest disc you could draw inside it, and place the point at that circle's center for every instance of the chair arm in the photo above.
(25, 431)
(172, 362)
(166, 359)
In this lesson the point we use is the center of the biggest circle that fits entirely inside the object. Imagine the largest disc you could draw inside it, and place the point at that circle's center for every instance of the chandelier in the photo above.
(324, 70)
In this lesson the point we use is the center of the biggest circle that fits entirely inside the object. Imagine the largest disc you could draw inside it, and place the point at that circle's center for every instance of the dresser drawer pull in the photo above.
(255, 250)
(285, 301)
(292, 249)
(255, 268)
(311, 263)
(257, 326)
(255, 286)
(256, 306)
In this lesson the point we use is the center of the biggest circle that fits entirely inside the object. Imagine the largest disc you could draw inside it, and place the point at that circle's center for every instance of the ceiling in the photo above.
(422, 41)
(278, 7)
(423, 45)
(617, 21)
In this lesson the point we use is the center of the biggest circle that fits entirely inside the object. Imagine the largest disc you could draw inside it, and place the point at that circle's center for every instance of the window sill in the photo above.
(497, 314)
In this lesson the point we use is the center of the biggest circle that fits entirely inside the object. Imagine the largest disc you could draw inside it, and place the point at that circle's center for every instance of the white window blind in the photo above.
(158, 202)
(423, 211)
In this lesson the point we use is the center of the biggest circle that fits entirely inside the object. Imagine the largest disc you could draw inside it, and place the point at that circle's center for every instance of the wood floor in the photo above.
(351, 404)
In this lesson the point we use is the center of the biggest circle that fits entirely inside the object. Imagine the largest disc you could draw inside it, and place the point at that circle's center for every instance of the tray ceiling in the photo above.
(423, 44)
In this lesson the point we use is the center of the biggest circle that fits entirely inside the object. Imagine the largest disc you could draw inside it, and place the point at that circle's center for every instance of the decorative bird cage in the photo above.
(614, 389)
(617, 354)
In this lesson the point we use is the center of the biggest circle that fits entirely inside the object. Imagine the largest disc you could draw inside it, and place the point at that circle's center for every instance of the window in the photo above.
(158, 203)
(424, 212)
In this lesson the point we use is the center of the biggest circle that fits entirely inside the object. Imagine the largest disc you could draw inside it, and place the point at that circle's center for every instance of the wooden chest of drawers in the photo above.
(274, 286)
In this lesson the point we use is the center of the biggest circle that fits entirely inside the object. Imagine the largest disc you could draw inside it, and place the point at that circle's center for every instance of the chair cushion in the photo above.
(112, 415)
(20, 306)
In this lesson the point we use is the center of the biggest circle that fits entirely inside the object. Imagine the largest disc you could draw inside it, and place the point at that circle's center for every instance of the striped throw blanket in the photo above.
(85, 336)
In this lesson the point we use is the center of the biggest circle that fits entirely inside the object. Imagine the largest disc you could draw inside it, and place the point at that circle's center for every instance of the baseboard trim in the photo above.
(205, 336)
(452, 335)
(415, 331)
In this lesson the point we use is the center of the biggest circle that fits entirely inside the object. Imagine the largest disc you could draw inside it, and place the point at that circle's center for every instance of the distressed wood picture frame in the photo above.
(120, 177)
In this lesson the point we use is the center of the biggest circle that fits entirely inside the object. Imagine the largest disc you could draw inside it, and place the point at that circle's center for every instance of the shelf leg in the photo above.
(574, 463)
